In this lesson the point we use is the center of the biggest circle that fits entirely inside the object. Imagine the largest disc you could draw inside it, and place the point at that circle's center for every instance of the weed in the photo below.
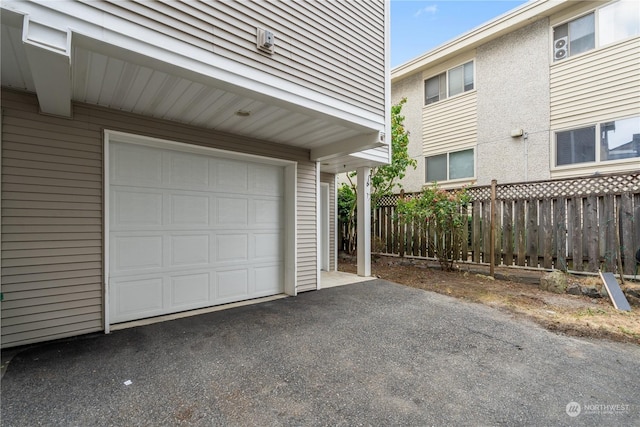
(591, 312)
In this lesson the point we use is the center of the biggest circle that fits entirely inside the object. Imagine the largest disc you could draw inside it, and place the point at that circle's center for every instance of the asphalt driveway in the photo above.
(373, 353)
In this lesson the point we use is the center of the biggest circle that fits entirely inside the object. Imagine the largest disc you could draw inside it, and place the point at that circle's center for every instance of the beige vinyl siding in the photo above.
(307, 236)
(450, 125)
(600, 85)
(51, 225)
(330, 179)
(52, 217)
(334, 48)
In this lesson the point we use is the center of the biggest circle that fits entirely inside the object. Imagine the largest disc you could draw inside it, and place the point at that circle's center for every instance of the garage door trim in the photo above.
(290, 191)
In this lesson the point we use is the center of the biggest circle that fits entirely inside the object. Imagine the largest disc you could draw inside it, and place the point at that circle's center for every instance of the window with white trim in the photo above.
(615, 22)
(449, 166)
(452, 82)
(602, 142)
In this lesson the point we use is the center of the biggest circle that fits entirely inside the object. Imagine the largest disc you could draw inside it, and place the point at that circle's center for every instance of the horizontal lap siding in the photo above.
(330, 179)
(52, 256)
(596, 86)
(51, 225)
(450, 125)
(334, 48)
(307, 237)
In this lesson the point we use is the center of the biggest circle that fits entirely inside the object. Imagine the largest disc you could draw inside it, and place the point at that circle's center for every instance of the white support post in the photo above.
(364, 221)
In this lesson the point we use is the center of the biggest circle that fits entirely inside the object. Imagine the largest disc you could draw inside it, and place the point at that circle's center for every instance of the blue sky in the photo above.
(418, 26)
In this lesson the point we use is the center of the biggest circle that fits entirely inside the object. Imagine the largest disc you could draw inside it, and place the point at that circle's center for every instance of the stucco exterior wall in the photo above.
(412, 89)
(512, 77)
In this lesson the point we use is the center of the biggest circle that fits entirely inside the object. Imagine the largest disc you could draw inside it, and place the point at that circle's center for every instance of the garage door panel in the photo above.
(136, 252)
(135, 298)
(135, 165)
(189, 210)
(190, 290)
(189, 250)
(267, 212)
(230, 176)
(266, 180)
(141, 208)
(232, 211)
(187, 171)
(268, 279)
(267, 246)
(199, 231)
(232, 285)
(232, 248)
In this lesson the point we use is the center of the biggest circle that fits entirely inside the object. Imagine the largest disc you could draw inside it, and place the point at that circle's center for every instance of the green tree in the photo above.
(384, 179)
(347, 217)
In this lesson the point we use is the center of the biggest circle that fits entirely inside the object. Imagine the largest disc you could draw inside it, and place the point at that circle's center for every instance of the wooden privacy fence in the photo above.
(581, 224)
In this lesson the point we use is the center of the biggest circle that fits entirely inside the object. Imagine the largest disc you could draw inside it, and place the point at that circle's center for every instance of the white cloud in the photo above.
(430, 10)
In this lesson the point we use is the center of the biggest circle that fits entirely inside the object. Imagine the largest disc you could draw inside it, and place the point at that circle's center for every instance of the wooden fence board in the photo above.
(577, 246)
(609, 249)
(532, 233)
(431, 241)
(418, 239)
(486, 231)
(560, 221)
(625, 228)
(423, 241)
(507, 232)
(388, 230)
(497, 249)
(546, 231)
(464, 246)
(477, 233)
(591, 232)
(521, 236)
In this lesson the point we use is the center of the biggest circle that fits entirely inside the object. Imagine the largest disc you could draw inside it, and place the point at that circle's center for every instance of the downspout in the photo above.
(526, 156)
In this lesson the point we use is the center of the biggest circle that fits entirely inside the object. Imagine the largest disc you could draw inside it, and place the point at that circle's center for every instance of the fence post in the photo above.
(492, 237)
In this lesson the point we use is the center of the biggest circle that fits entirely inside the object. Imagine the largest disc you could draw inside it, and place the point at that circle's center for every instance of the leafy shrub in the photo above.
(444, 214)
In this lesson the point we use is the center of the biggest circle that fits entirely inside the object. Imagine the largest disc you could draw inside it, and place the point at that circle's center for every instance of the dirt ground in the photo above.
(574, 315)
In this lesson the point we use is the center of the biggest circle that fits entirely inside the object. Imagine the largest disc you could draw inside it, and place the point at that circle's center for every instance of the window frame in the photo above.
(447, 80)
(596, 32)
(456, 180)
(598, 146)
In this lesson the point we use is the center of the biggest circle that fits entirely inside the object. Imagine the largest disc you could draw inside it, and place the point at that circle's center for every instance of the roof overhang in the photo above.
(65, 59)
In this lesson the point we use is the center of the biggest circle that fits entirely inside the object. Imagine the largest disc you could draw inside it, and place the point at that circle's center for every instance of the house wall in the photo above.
(52, 216)
(603, 84)
(512, 75)
(330, 179)
(412, 88)
(450, 125)
(518, 86)
(334, 48)
(599, 85)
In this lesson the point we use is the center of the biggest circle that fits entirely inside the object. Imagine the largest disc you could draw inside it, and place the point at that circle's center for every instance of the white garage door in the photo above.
(190, 230)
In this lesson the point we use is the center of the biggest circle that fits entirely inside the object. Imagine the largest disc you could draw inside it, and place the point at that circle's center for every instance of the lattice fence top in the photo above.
(575, 187)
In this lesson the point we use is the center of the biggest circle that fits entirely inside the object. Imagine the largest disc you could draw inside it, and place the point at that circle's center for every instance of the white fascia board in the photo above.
(94, 24)
(347, 146)
(48, 51)
(508, 22)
